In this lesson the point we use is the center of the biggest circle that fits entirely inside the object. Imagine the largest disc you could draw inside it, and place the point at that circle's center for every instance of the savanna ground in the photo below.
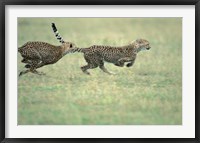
(149, 93)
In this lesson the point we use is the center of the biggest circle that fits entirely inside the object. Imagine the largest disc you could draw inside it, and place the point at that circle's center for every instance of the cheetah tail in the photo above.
(57, 33)
(73, 50)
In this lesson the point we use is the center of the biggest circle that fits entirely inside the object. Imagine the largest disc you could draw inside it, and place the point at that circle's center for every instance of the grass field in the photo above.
(149, 93)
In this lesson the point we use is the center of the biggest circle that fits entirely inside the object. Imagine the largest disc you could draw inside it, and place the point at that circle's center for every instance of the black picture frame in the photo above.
(98, 2)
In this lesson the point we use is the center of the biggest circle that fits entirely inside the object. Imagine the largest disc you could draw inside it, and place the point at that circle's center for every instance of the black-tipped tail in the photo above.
(54, 27)
(57, 33)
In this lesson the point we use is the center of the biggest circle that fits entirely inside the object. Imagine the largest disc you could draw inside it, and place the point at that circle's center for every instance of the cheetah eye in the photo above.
(71, 46)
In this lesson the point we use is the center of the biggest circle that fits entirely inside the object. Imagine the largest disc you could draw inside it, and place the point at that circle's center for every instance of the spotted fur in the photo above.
(97, 54)
(38, 54)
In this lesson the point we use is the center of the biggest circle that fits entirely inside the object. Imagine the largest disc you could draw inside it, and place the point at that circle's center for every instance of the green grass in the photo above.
(149, 93)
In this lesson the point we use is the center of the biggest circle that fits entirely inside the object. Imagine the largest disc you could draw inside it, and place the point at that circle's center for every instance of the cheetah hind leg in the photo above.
(85, 68)
(119, 64)
(89, 66)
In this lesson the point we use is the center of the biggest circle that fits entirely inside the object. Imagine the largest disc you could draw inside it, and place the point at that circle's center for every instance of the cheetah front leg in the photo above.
(41, 64)
(30, 70)
(24, 72)
(102, 67)
(106, 71)
(33, 65)
(38, 73)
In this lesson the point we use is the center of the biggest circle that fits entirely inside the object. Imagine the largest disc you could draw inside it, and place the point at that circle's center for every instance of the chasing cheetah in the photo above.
(37, 54)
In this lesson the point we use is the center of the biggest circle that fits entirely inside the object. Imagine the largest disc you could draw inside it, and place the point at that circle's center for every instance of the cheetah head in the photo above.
(68, 45)
(141, 44)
